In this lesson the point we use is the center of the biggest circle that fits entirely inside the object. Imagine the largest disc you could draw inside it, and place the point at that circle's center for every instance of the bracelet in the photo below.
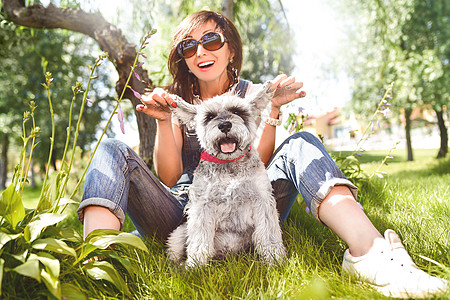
(274, 122)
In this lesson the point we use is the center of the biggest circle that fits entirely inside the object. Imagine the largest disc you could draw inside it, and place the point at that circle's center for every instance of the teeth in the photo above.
(205, 64)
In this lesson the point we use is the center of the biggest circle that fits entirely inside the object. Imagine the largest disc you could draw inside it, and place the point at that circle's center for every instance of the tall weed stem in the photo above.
(141, 47)
(48, 80)
(34, 131)
(368, 131)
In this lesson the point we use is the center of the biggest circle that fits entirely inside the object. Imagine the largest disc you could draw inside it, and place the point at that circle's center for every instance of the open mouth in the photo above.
(205, 64)
(227, 145)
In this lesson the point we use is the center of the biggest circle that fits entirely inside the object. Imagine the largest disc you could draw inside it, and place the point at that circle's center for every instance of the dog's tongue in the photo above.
(227, 147)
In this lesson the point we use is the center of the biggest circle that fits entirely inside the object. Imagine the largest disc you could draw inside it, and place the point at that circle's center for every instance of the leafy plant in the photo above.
(33, 242)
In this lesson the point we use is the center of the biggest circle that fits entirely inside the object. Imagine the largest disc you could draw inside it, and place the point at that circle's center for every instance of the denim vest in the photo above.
(191, 147)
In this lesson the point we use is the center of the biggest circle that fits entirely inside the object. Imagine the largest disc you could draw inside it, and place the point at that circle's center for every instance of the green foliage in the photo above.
(406, 41)
(34, 244)
(267, 40)
(426, 35)
(65, 54)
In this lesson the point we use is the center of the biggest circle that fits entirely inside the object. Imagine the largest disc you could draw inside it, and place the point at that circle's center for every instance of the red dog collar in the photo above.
(208, 157)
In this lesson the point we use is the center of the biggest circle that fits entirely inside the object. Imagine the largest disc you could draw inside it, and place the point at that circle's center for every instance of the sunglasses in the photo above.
(211, 41)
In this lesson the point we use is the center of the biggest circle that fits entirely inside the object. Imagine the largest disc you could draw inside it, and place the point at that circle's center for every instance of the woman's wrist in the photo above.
(274, 112)
(275, 118)
(164, 122)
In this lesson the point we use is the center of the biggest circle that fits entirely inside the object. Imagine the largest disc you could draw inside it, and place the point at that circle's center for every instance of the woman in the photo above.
(205, 61)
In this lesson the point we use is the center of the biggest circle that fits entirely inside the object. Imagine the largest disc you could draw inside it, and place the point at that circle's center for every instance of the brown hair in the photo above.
(185, 84)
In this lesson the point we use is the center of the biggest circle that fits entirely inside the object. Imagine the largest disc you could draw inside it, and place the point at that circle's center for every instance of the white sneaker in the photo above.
(391, 271)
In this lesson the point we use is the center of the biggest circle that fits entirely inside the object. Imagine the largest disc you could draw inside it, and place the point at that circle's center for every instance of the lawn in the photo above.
(413, 199)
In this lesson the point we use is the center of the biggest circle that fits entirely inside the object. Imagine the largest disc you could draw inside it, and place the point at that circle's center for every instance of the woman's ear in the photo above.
(231, 60)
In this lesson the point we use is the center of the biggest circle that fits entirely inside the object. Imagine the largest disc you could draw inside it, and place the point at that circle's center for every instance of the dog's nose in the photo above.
(225, 126)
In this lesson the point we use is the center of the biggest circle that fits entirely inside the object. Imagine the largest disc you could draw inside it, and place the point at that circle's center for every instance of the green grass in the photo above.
(31, 196)
(413, 199)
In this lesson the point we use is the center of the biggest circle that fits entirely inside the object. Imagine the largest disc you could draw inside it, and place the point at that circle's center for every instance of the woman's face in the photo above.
(208, 66)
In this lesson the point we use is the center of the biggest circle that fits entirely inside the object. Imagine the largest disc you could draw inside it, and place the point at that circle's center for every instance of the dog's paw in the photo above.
(173, 256)
(192, 263)
(273, 255)
(267, 87)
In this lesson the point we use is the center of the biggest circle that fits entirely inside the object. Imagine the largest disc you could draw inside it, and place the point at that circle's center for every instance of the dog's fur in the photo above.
(231, 206)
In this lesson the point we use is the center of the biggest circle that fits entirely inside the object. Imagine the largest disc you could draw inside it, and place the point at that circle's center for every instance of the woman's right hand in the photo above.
(156, 104)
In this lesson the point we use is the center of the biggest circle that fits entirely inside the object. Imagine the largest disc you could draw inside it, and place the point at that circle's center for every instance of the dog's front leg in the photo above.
(267, 236)
(176, 243)
(200, 231)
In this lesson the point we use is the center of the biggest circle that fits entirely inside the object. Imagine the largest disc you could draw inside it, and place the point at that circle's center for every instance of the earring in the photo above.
(235, 74)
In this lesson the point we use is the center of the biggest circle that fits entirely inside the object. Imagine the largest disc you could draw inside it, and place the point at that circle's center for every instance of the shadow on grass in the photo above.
(400, 155)
(435, 167)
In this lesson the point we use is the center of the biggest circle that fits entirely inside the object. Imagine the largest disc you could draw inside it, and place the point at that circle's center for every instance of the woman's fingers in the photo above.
(277, 80)
(292, 86)
(158, 96)
(156, 104)
(286, 82)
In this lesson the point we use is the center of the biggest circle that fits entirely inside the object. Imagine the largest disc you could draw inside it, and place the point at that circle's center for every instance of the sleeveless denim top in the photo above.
(191, 153)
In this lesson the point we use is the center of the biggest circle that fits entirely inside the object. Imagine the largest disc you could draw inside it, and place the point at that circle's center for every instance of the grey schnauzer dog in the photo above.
(231, 206)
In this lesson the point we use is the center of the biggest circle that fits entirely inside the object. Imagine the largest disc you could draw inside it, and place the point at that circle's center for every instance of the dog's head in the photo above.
(226, 125)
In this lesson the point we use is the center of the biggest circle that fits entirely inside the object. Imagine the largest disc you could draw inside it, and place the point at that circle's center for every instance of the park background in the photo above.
(352, 56)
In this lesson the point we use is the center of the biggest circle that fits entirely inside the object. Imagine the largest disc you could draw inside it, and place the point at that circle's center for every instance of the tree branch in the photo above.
(110, 40)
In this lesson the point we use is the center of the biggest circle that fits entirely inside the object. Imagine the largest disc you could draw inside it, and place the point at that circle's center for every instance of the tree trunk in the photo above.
(408, 113)
(4, 161)
(227, 9)
(443, 150)
(110, 39)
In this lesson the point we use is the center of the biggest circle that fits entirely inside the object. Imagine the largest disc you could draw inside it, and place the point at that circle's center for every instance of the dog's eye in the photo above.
(209, 117)
(237, 111)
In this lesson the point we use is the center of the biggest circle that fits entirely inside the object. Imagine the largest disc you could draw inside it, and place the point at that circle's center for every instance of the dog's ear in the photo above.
(184, 111)
(260, 99)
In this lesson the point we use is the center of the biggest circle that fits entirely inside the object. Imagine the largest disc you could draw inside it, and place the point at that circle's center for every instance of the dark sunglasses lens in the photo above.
(188, 47)
(212, 41)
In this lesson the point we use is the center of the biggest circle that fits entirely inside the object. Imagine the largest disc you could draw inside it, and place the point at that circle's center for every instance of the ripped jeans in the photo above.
(118, 179)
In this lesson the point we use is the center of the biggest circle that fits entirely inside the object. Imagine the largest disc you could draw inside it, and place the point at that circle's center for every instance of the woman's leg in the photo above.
(341, 214)
(119, 182)
(301, 164)
(98, 217)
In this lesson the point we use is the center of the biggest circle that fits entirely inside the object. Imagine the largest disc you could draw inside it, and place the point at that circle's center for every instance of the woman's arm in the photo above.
(285, 91)
(167, 152)
(169, 140)
(266, 144)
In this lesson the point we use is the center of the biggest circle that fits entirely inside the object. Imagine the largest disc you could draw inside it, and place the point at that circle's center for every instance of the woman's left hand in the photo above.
(286, 90)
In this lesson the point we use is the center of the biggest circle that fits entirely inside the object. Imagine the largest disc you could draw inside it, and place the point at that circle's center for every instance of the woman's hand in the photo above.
(156, 104)
(286, 90)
